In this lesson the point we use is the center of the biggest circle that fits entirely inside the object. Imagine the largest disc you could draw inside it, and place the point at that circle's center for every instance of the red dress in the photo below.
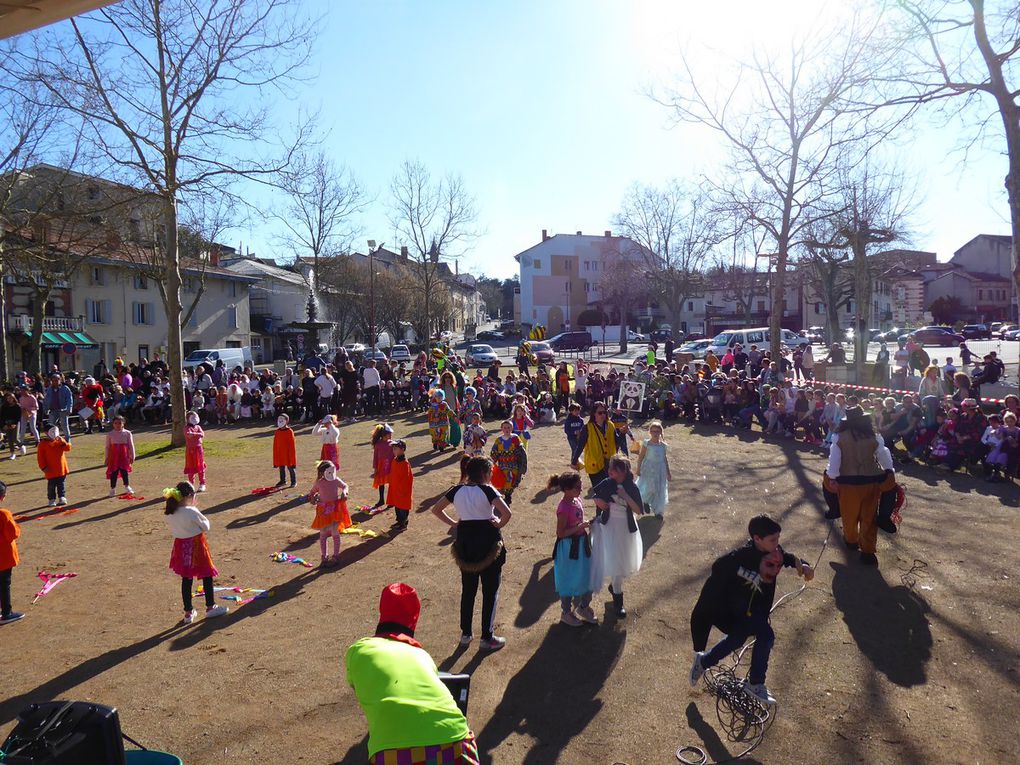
(191, 558)
(194, 454)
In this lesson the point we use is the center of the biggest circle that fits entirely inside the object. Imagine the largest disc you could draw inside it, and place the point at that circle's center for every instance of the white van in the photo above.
(231, 358)
(760, 336)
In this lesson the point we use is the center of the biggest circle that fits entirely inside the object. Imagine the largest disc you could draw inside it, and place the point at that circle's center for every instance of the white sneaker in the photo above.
(53, 503)
(113, 493)
(14, 456)
(215, 611)
(697, 668)
(62, 501)
(493, 644)
(760, 692)
(587, 614)
(24, 451)
(466, 639)
(201, 487)
(568, 618)
(128, 490)
(189, 616)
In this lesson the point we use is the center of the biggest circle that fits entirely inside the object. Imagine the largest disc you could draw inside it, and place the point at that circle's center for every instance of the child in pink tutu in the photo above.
(329, 495)
(190, 558)
(120, 455)
(194, 454)
(329, 432)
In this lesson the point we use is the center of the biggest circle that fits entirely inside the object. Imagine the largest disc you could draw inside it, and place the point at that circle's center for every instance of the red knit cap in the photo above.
(399, 604)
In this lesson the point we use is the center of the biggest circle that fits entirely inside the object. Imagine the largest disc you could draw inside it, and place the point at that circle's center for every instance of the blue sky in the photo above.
(540, 106)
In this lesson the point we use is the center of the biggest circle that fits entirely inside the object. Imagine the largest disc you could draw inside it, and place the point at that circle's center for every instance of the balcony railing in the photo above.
(23, 323)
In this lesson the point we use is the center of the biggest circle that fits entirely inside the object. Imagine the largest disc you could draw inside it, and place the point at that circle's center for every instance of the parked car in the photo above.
(400, 353)
(1012, 334)
(692, 336)
(943, 336)
(636, 337)
(491, 335)
(232, 358)
(479, 355)
(997, 327)
(662, 335)
(379, 356)
(889, 337)
(354, 348)
(446, 335)
(760, 336)
(543, 352)
(575, 340)
(1003, 329)
(977, 332)
(815, 335)
(696, 348)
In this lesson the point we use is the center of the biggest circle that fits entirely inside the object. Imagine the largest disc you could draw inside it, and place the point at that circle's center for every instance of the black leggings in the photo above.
(382, 495)
(490, 579)
(5, 592)
(122, 474)
(283, 474)
(207, 587)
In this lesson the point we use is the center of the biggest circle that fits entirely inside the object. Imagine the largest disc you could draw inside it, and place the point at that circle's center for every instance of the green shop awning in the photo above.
(57, 340)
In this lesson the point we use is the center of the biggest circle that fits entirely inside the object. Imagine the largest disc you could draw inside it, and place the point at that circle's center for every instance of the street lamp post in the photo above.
(371, 299)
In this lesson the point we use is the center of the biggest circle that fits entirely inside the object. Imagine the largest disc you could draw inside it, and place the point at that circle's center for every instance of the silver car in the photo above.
(479, 355)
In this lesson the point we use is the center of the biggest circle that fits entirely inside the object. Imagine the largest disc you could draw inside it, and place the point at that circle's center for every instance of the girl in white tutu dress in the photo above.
(617, 549)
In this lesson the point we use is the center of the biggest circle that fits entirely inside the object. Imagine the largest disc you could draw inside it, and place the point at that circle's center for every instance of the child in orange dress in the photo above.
(285, 451)
(9, 533)
(51, 455)
(382, 456)
(329, 495)
(194, 454)
(401, 481)
(190, 558)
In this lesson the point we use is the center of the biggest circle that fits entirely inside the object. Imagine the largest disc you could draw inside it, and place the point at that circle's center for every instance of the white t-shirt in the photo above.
(326, 385)
(187, 522)
(370, 377)
(473, 503)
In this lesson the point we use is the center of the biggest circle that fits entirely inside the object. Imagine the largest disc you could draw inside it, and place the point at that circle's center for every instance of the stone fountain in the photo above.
(313, 326)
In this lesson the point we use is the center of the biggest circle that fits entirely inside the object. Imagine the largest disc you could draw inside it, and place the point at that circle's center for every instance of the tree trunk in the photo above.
(778, 294)
(624, 329)
(5, 366)
(862, 291)
(41, 295)
(832, 322)
(175, 351)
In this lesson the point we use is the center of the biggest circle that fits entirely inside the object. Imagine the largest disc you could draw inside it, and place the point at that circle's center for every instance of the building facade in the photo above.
(275, 300)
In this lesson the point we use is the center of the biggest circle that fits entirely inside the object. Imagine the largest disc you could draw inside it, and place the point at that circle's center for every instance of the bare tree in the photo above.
(785, 119)
(318, 212)
(824, 268)
(28, 130)
(437, 218)
(872, 212)
(966, 52)
(343, 287)
(675, 231)
(623, 284)
(158, 81)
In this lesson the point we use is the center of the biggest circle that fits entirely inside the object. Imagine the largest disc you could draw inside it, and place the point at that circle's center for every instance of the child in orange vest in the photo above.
(9, 531)
(52, 459)
(382, 456)
(401, 484)
(285, 451)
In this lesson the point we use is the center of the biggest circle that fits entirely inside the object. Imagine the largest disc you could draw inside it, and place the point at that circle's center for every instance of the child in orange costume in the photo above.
(52, 459)
(329, 495)
(285, 450)
(401, 484)
(9, 532)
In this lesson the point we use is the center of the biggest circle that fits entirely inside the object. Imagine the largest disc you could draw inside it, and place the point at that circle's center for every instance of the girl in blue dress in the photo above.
(652, 471)
(572, 553)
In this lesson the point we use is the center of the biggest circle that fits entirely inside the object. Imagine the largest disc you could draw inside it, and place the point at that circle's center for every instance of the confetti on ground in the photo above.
(238, 598)
(266, 490)
(49, 582)
(363, 533)
(129, 496)
(282, 557)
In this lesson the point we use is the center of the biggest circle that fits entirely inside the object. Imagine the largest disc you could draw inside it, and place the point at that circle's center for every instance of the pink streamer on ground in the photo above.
(49, 582)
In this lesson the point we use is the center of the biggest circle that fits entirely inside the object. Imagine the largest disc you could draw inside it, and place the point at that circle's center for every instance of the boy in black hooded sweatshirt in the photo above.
(737, 599)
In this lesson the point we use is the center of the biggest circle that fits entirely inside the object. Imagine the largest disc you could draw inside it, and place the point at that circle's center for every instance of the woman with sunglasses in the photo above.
(599, 442)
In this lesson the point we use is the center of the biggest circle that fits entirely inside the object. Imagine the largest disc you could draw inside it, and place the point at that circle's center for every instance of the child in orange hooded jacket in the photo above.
(9, 532)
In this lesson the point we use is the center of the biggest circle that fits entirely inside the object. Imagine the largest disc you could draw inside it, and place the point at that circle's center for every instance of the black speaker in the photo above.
(65, 733)
(460, 687)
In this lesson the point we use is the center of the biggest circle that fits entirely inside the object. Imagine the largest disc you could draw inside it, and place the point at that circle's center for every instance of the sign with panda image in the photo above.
(632, 395)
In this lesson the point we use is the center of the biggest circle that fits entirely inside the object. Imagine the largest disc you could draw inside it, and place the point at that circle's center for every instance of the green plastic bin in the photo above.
(150, 757)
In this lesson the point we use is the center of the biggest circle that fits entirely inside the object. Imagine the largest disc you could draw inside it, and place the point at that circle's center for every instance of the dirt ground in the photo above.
(915, 662)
